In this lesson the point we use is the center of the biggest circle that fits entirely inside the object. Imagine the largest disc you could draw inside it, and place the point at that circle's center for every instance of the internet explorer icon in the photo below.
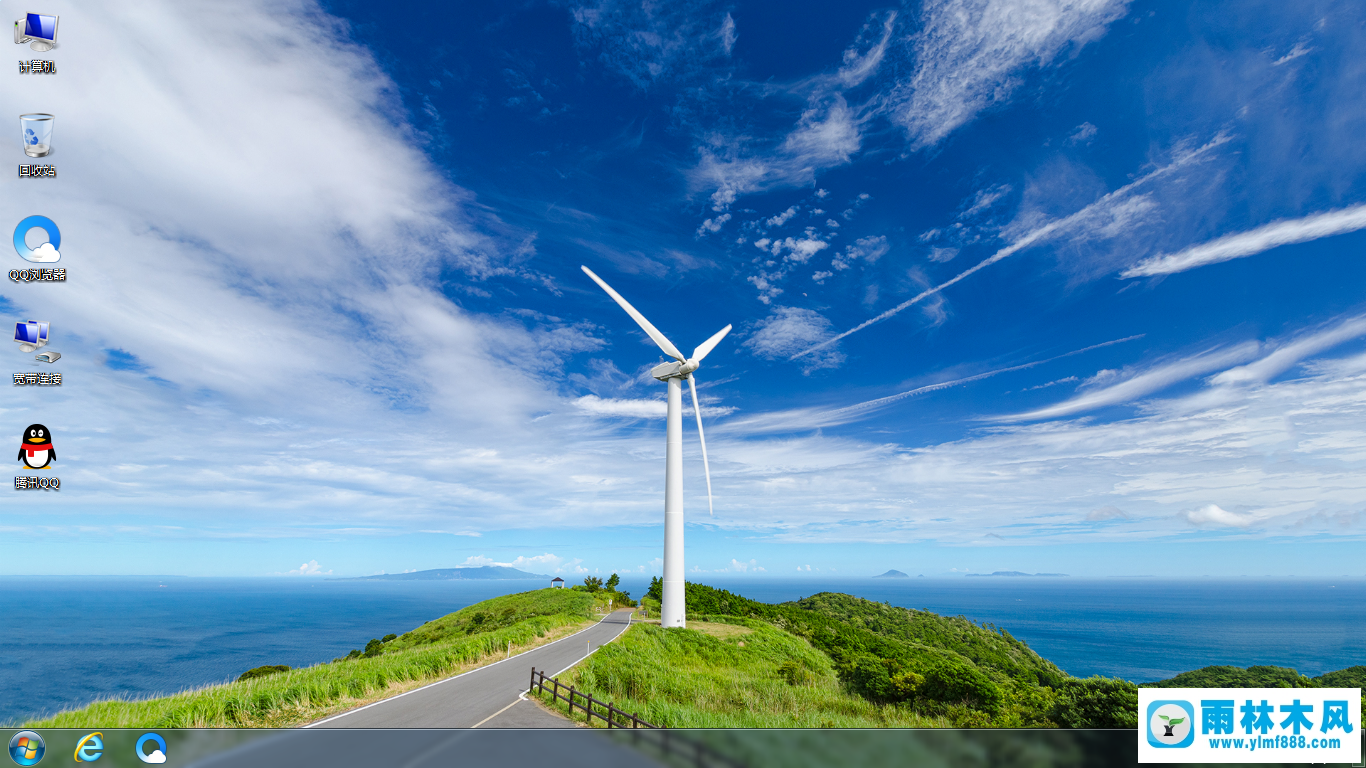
(45, 253)
(90, 748)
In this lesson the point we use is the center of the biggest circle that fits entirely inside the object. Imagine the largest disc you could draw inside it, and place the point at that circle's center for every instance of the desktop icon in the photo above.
(45, 253)
(27, 748)
(158, 753)
(35, 449)
(36, 128)
(30, 335)
(48, 356)
(90, 748)
(39, 30)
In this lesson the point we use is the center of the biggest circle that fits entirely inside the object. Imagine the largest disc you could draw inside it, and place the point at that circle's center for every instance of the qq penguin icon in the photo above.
(154, 753)
(35, 447)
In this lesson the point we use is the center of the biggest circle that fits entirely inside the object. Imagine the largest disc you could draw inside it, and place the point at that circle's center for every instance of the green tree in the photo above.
(656, 591)
(1096, 702)
(612, 582)
(593, 583)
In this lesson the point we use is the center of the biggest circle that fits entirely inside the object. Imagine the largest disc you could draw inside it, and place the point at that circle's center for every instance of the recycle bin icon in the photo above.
(37, 129)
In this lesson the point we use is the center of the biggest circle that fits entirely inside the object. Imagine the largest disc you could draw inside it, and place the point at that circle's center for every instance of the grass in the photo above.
(728, 673)
(438, 649)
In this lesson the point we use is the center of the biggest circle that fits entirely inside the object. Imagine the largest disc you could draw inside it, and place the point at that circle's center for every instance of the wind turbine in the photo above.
(673, 612)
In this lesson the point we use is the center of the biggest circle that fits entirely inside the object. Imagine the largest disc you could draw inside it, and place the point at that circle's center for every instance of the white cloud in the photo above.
(546, 560)
(969, 54)
(983, 200)
(868, 249)
(1299, 50)
(825, 136)
(1287, 354)
(1251, 242)
(740, 567)
(798, 250)
(858, 65)
(713, 225)
(1213, 514)
(782, 218)
(1138, 384)
(941, 255)
(649, 43)
(310, 568)
(1083, 134)
(792, 328)
(1108, 212)
(637, 408)
(642, 408)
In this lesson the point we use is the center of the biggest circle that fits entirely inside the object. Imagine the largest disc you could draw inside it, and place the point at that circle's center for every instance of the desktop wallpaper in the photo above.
(1065, 287)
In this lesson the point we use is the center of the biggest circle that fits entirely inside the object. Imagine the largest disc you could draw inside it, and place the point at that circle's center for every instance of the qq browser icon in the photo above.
(151, 748)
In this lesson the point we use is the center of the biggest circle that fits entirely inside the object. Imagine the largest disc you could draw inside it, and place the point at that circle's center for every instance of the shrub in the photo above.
(268, 669)
(1096, 702)
(960, 684)
(794, 672)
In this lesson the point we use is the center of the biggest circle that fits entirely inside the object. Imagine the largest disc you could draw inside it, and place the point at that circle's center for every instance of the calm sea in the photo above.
(71, 640)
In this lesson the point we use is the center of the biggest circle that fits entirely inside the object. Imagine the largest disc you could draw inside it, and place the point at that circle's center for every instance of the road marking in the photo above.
(499, 712)
(462, 674)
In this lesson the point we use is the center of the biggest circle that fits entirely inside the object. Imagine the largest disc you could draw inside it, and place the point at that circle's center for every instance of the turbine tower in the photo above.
(673, 612)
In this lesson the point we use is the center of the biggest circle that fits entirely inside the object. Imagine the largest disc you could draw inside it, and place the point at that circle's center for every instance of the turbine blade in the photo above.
(653, 332)
(696, 411)
(710, 344)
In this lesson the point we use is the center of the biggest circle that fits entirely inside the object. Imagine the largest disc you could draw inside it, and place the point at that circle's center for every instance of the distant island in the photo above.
(1015, 573)
(892, 575)
(447, 574)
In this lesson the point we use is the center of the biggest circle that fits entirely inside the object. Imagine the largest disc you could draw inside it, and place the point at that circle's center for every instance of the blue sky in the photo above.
(1041, 286)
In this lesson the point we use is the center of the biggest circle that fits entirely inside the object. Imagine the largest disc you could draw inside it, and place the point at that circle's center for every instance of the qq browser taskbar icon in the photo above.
(27, 748)
(151, 748)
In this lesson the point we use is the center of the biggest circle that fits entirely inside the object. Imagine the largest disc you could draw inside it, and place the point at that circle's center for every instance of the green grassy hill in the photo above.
(735, 673)
(838, 660)
(273, 697)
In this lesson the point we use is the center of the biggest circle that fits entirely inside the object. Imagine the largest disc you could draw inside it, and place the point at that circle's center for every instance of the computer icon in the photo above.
(38, 30)
(30, 334)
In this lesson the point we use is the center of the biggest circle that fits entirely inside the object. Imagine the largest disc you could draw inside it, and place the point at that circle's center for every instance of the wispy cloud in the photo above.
(812, 418)
(1254, 241)
(652, 42)
(1137, 385)
(1102, 208)
(968, 55)
(1289, 353)
(789, 328)
(641, 408)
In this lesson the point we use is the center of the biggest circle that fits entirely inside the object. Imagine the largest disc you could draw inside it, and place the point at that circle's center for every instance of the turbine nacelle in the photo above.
(674, 369)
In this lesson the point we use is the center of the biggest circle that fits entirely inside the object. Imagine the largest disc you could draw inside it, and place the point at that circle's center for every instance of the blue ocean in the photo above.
(72, 640)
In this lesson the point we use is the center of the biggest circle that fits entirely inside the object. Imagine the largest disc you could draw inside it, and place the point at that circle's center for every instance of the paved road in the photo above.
(471, 699)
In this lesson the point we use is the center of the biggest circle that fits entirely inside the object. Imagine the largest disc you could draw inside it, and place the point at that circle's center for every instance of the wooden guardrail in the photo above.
(609, 713)
(674, 745)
